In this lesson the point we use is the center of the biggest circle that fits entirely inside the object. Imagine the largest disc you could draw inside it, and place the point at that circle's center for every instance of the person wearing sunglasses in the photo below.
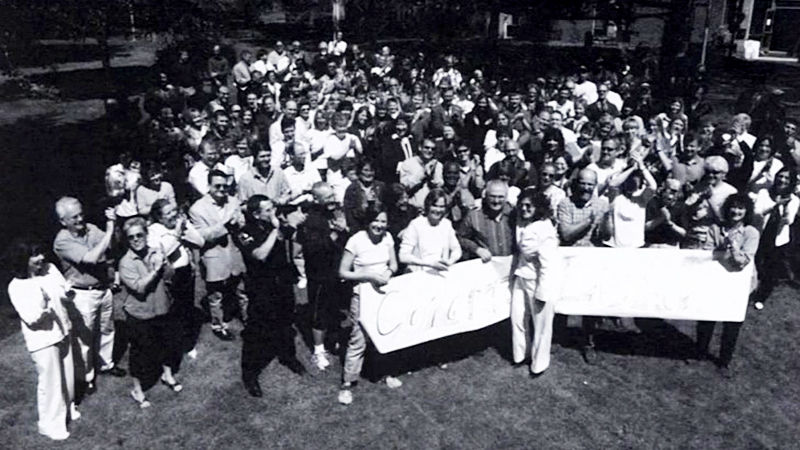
(154, 352)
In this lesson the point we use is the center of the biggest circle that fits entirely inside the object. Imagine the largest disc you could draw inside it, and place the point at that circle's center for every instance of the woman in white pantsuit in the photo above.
(37, 292)
(536, 274)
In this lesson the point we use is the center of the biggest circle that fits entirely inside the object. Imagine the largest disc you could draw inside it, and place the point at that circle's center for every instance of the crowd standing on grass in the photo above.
(294, 169)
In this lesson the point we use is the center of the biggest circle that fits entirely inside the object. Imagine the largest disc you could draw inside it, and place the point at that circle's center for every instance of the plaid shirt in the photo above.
(569, 214)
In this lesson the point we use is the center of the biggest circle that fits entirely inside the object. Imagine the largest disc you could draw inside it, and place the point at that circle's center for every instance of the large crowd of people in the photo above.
(295, 169)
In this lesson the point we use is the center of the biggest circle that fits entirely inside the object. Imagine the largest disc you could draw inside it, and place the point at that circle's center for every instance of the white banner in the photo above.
(656, 283)
(422, 306)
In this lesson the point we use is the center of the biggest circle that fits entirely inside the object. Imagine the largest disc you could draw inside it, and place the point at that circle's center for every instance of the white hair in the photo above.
(63, 204)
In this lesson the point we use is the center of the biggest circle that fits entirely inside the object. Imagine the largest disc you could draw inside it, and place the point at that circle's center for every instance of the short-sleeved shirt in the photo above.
(278, 261)
(429, 242)
(145, 197)
(628, 216)
(569, 214)
(274, 186)
(71, 250)
(369, 256)
(143, 302)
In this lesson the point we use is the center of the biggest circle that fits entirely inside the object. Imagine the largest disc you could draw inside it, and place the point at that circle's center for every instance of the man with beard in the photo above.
(579, 225)
(325, 233)
(264, 241)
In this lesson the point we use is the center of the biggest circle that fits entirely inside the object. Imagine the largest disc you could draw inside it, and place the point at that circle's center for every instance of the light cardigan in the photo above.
(538, 258)
(38, 301)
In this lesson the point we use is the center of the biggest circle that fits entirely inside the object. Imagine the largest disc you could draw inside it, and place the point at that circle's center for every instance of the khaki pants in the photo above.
(526, 312)
(93, 328)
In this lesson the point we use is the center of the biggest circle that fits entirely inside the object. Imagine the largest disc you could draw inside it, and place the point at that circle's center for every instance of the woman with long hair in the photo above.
(534, 286)
(735, 243)
(39, 292)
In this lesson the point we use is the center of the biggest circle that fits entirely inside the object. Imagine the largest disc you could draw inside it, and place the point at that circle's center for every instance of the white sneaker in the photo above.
(393, 382)
(759, 306)
(192, 353)
(73, 412)
(302, 283)
(56, 436)
(345, 397)
(320, 360)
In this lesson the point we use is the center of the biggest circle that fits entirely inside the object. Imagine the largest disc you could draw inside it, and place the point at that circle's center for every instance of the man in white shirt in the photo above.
(341, 144)
(289, 112)
(301, 175)
(585, 89)
(209, 160)
(278, 60)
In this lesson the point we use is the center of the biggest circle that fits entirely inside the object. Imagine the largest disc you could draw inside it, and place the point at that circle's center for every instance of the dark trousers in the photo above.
(153, 345)
(121, 341)
(268, 332)
(730, 333)
(328, 301)
(183, 310)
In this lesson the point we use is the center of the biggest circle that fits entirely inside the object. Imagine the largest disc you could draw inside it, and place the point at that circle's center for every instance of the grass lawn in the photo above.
(647, 399)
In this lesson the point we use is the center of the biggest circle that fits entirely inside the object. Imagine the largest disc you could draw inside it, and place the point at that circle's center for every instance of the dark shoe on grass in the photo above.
(725, 372)
(589, 355)
(114, 372)
(253, 388)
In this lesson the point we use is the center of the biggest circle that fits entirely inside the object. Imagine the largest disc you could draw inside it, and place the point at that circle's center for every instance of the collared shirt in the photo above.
(143, 301)
(300, 182)
(275, 185)
(278, 262)
(71, 250)
(479, 230)
(569, 214)
(413, 173)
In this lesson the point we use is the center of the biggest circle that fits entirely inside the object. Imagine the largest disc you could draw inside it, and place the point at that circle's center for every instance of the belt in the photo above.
(90, 288)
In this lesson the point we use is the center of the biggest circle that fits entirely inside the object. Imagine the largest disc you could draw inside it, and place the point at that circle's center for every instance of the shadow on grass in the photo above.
(97, 83)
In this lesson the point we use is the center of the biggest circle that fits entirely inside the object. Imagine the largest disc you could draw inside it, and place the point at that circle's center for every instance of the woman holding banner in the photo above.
(430, 241)
(535, 281)
(736, 243)
(368, 258)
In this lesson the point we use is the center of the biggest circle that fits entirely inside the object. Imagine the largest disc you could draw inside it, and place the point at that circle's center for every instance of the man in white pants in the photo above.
(81, 249)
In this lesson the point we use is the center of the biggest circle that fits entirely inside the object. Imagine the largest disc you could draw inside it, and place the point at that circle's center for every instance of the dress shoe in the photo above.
(253, 388)
(114, 372)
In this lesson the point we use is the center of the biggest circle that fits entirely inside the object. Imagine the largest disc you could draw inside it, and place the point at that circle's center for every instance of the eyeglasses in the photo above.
(608, 148)
(548, 175)
(136, 236)
(525, 206)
